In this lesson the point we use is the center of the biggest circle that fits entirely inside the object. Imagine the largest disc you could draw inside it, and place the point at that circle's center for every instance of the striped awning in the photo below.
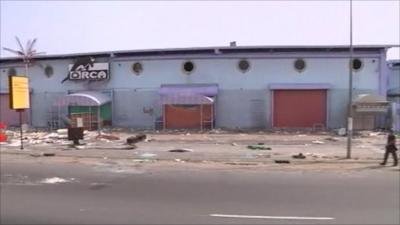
(86, 98)
(181, 99)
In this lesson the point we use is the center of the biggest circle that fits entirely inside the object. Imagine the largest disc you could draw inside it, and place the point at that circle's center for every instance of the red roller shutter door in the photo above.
(299, 108)
(178, 117)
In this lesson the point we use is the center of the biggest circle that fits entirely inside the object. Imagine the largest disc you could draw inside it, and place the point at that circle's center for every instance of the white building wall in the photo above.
(244, 99)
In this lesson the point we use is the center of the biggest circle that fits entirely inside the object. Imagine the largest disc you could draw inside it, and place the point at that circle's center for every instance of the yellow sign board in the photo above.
(19, 92)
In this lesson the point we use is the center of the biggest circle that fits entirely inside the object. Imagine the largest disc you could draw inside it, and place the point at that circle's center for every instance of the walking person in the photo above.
(390, 149)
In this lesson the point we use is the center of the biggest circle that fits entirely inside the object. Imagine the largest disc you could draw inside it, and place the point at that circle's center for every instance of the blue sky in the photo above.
(91, 26)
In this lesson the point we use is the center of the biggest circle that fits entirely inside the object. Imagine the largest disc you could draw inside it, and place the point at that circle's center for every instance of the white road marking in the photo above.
(272, 217)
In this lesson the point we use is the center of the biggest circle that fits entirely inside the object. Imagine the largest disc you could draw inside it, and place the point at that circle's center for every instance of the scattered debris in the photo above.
(374, 134)
(282, 161)
(35, 154)
(181, 150)
(135, 139)
(299, 156)
(332, 139)
(242, 163)
(62, 131)
(55, 180)
(341, 132)
(48, 154)
(234, 144)
(258, 147)
(148, 155)
(107, 137)
(318, 142)
(78, 147)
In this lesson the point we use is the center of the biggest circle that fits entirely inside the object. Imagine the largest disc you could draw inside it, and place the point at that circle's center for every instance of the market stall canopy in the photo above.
(370, 103)
(188, 94)
(85, 98)
(394, 92)
(186, 99)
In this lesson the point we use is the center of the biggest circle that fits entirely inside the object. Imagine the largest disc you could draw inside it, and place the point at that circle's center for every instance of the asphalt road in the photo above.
(107, 193)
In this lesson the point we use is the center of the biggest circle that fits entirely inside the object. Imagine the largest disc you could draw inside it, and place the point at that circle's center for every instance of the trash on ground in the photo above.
(374, 134)
(258, 147)
(242, 163)
(107, 137)
(299, 156)
(48, 154)
(179, 160)
(79, 147)
(35, 155)
(318, 142)
(148, 155)
(62, 131)
(341, 132)
(135, 139)
(55, 180)
(282, 161)
(181, 150)
(234, 144)
(332, 139)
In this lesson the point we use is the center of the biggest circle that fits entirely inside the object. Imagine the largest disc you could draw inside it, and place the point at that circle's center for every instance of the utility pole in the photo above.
(350, 110)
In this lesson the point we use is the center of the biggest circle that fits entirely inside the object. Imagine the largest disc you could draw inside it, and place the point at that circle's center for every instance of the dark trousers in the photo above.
(390, 151)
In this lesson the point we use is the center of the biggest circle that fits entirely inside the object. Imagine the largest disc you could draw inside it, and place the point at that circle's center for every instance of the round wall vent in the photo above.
(188, 67)
(244, 65)
(137, 68)
(357, 64)
(48, 71)
(300, 65)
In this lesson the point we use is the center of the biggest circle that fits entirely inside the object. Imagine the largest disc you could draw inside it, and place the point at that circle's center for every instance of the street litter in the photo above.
(299, 156)
(135, 139)
(234, 144)
(181, 150)
(282, 161)
(374, 134)
(179, 160)
(144, 160)
(48, 154)
(258, 147)
(148, 155)
(318, 142)
(62, 131)
(107, 137)
(242, 163)
(341, 132)
(55, 180)
(332, 139)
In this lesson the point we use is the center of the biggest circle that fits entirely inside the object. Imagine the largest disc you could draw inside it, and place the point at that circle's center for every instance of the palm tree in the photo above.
(27, 53)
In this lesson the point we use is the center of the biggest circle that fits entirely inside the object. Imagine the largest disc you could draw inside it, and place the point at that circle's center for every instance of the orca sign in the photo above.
(99, 71)
(85, 69)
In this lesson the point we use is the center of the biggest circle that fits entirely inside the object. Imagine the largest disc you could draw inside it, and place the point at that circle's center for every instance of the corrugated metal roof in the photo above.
(213, 50)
